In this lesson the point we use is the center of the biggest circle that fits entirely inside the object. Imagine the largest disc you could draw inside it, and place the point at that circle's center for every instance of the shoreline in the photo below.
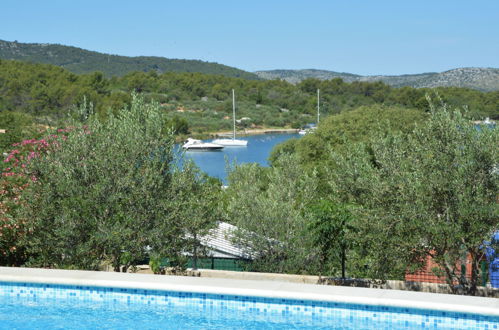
(256, 131)
(247, 132)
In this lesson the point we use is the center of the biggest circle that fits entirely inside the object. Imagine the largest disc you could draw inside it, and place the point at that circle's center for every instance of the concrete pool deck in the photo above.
(269, 289)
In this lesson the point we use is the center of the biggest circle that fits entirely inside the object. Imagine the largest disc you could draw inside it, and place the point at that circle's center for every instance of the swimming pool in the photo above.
(64, 301)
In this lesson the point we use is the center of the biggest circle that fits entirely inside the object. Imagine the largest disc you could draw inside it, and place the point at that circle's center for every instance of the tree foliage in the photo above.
(432, 193)
(333, 234)
(47, 92)
(106, 192)
(339, 132)
(18, 126)
(81, 61)
(422, 185)
(15, 178)
(267, 205)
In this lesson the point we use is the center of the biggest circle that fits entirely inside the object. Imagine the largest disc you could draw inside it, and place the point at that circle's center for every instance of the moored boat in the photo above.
(232, 142)
(198, 145)
(302, 131)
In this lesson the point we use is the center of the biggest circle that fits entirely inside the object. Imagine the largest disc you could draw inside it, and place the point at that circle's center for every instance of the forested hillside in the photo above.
(79, 60)
(203, 103)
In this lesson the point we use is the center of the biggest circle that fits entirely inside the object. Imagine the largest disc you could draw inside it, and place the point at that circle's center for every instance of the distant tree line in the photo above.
(46, 93)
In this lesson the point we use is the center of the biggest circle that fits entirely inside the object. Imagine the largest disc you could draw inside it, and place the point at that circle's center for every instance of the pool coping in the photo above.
(266, 289)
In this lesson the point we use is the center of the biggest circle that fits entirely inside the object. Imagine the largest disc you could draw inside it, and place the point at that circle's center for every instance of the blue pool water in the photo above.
(46, 306)
(258, 150)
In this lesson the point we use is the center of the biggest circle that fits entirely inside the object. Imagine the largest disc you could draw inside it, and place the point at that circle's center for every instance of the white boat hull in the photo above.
(198, 145)
(203, 148)
(231, 142)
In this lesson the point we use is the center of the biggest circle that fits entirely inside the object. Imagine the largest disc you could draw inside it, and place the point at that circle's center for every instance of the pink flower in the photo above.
(8, 174)
(31, 141)
(9, 158)
(65, 130)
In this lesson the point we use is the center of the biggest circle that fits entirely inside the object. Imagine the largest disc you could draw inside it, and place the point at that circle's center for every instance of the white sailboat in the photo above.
(232, 142)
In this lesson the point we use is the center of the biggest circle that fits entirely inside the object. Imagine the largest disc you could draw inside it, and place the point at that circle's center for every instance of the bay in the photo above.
(258, 150)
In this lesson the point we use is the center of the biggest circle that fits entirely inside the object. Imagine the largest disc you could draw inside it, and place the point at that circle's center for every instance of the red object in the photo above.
(426, 273)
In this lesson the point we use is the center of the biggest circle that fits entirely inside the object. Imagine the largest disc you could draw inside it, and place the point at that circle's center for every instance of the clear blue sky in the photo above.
(357, 36)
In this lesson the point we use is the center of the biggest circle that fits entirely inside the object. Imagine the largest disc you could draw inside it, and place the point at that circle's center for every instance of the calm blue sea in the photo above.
(258, 150)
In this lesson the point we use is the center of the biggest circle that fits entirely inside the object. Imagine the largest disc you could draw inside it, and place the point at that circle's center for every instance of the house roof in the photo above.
(218, 242)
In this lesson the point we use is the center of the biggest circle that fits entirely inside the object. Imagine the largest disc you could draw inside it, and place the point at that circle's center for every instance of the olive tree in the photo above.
(332, 231)
(102, 190)
(268, 207)
(431, 193)
(195, 211)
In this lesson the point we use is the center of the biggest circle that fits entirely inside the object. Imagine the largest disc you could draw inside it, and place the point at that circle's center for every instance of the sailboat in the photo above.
(232, 142)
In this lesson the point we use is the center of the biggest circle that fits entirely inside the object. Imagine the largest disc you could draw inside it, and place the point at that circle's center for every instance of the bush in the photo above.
(106, 192)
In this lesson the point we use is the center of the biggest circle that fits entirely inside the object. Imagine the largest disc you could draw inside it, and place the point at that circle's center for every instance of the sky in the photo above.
(364, 37)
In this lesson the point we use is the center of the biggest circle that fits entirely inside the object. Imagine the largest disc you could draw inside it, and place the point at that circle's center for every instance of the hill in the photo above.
(295, 76)
(483, 79)
(80, 61)
(47, 93)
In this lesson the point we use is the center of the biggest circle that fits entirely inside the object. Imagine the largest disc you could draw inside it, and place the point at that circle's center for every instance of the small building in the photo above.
(218, 242)
(432, 273)
(220, 252)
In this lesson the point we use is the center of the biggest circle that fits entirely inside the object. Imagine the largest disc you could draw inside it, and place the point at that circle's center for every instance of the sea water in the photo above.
(258, 150)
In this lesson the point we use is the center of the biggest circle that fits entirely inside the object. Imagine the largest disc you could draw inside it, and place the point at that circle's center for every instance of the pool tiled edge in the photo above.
(276, 308)
(246, 293)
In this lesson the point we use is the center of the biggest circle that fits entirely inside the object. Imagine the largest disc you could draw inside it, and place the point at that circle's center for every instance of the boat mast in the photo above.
(233, 114)
(318, 114)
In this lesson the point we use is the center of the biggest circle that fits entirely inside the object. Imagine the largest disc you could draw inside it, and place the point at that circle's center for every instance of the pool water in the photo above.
(41, 314)
(46, 306)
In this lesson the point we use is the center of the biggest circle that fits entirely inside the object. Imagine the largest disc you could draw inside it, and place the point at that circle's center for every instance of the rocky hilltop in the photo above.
(484, 79)
(295, 76)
